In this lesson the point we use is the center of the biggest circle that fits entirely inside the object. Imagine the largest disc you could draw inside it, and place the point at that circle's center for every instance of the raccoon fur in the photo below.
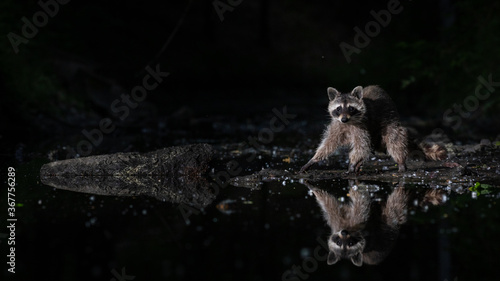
(365, 231)
(367, 119)
(360, 231)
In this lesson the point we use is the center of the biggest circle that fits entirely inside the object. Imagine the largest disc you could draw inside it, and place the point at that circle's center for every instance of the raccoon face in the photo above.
(344, 112)
(346, 107)
(345, 245)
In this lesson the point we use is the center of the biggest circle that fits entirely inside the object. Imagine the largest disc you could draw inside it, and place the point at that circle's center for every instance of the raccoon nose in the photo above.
(344, 232)
(344, 119)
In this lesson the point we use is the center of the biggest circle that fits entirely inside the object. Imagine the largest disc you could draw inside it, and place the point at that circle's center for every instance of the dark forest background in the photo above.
(226, 77)
(264, 54)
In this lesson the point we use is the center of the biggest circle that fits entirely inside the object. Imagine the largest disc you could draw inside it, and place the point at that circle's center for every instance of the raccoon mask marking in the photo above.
(346, 245)
(346, 107)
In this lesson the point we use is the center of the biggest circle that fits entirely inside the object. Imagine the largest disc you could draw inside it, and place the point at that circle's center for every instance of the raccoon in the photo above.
(367, 119)
(362, 232)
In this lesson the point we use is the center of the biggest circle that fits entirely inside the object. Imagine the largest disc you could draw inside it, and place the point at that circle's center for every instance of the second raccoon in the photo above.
(367, 119)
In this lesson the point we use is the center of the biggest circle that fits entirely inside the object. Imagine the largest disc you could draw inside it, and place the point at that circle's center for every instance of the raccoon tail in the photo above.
(433, 151)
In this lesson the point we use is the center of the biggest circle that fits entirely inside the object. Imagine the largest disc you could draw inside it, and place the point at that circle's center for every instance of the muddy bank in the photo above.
(465, 165)
(184, 174)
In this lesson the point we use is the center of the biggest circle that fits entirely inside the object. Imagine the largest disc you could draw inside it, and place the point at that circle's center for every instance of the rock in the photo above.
(485, 142)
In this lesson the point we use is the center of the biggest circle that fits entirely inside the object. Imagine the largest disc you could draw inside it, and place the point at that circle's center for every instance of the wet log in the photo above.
(174, 174)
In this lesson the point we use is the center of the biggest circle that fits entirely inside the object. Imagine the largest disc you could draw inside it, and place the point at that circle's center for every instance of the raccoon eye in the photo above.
(350, 243)
(337, 241)
(351, 109)
(336, 111)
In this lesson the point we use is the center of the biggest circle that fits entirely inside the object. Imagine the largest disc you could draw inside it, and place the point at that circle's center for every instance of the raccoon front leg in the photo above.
(360, 148)
(308, 164)
(330, 206)
(360, 206)
(330, 142)
(395, 211)
(395, 139)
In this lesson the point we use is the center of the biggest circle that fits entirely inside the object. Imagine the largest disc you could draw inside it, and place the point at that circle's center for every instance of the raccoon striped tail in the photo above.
(433, 151)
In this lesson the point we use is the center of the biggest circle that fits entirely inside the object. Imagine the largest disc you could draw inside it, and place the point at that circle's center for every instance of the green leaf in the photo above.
(478, 186)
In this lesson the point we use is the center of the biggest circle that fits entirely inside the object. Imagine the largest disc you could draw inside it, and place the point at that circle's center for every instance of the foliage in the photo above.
(480, 188)
(433, 63)
(449, 65)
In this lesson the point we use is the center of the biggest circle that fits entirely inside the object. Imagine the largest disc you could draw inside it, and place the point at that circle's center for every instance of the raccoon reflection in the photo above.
(362, 232)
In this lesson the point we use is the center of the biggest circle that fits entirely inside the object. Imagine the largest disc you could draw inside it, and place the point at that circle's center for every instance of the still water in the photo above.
(276, 231)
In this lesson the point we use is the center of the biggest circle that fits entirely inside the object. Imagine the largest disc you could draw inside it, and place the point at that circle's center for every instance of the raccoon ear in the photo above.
(357, 259)
(357, 92)
(332, 258)
(332, 93)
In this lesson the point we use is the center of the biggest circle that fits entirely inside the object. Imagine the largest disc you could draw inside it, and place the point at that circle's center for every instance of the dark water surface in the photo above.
(274, 232)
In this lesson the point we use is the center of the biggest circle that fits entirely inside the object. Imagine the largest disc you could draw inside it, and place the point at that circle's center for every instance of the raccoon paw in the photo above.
(354, 168)
(402, 168)
(306, 166)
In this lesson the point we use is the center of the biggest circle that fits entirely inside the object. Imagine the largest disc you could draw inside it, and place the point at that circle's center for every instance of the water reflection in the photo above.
(192, 191)
(174, 174)
(364, 228)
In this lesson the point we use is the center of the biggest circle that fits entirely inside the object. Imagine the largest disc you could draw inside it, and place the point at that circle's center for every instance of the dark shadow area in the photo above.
(202, 70)
(98, 96)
